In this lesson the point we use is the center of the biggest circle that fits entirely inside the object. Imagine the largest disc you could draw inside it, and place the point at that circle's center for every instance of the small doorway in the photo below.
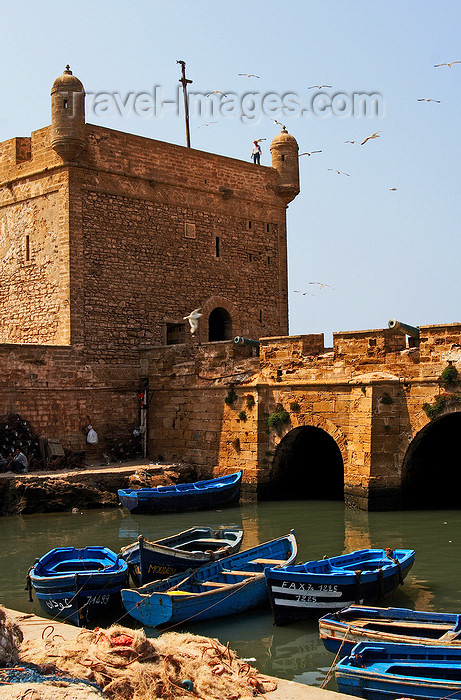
(219, 325)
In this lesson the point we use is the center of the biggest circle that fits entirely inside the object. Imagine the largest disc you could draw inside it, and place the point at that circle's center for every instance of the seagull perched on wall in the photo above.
(193, 319)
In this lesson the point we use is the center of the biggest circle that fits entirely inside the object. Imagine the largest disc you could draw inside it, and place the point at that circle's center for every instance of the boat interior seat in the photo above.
(212, 584)
(234, 572)
(271, 562)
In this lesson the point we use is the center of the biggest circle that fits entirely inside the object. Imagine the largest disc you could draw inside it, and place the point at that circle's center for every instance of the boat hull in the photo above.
(151, 561)
(200, 495)
(225, 587)
(386, 671)
(78, 595)
(340, 631)
(296, 594)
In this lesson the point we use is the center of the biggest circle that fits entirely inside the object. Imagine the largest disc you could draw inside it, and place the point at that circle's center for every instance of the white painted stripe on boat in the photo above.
(309, 592)
(310, 604)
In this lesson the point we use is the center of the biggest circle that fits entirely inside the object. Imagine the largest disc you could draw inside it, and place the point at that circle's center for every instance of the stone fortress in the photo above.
(108, 240)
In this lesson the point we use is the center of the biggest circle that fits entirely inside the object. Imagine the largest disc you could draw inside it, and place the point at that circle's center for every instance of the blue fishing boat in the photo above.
(224, 587)
(149, 561)
(301, 591)
(341, 630)
(384, 671)
(78, 585)
(199, 495)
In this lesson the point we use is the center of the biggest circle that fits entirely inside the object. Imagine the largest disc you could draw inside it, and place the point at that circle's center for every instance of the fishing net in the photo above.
(10, 640)
(127, 665)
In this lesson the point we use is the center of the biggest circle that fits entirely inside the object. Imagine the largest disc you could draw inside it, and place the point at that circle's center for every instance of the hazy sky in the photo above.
(386, 253)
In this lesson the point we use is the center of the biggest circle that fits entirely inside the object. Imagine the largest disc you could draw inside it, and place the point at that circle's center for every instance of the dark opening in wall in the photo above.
(217, 247)
(27, 252)
(175, 333)
(219, 325)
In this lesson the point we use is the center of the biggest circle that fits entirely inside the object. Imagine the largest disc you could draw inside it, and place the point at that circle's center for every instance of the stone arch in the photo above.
(308, 463)
(431, 469)
(228, 314)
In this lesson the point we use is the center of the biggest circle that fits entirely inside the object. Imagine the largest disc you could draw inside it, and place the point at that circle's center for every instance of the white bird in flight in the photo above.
(321, 284)
(373, 136)
(279, 123)
(338, 172)
(193, 319)
(319, 87)
(216, 92)
(308, 153)
(207, 124)
(250, 75)
(425, 99)
(438, 65)
(298, 291)
(392, 189)
(349, 141)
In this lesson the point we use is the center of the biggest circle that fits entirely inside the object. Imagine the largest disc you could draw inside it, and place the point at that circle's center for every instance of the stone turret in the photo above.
(284, 150)
(67, 116)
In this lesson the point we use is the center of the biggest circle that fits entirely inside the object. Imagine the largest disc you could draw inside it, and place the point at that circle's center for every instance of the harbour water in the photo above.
(322, 528)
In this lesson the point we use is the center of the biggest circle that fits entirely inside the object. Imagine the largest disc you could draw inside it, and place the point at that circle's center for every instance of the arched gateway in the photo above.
(307, 465)
(431, 469)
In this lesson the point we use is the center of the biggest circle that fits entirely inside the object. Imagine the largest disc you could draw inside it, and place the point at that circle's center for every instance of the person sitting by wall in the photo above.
(17, 462)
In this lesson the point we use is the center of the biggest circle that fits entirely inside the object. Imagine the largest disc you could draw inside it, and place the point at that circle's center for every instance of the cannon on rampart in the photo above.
(412, 331)
(239, 340)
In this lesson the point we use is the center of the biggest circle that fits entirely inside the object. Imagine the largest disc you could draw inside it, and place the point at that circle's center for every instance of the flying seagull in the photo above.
(216, 92)
(392, 189)
(349, 141)
(193, 319)
(321, 284)
(250, 75)
(438, 65)
(373, 136)
(425, 99)
(319, 87)
(279, 123)
(308, 153)
(338, 172)
(207, 124)
(297, 291)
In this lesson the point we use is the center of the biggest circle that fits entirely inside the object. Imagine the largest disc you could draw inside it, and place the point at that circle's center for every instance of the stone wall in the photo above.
(58, 393)
(367, 393)
(34, 243)
(105, 251)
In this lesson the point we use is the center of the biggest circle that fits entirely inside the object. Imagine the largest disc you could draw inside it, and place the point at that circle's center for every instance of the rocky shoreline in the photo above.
(91, 487)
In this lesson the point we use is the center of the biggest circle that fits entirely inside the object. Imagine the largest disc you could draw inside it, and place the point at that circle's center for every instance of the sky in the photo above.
(383, 234)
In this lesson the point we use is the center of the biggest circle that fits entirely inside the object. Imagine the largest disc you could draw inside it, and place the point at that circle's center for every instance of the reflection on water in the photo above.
(322, 528)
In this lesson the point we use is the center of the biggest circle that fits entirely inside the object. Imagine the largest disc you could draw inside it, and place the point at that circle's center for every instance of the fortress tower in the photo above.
(284, 150)
(109, 239)
(67, 116)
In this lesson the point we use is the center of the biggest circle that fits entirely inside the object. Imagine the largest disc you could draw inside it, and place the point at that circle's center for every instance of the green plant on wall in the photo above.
(231, 397)
(295, 407)
(250, 401)
(387, 399)
(432, 410)
(449, 375)
(242, 416)
(278, 417)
